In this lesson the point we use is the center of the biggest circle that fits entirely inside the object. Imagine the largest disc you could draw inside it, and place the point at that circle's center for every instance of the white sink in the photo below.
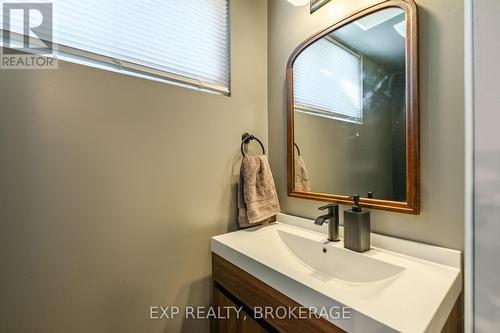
(338, 263)
(397, 286)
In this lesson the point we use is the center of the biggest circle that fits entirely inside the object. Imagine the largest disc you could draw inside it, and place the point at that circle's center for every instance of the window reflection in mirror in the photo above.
(349, 109)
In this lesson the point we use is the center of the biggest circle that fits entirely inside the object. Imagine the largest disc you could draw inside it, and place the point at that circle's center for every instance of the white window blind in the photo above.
(181, 41)
(327, 82)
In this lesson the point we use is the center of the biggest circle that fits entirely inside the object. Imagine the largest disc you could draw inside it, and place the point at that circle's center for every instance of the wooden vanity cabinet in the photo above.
(233, 286)
(241, 322)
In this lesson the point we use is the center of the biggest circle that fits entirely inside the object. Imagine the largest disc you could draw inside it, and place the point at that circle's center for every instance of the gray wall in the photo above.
(442, 115)
(111, 186)
(486, 168)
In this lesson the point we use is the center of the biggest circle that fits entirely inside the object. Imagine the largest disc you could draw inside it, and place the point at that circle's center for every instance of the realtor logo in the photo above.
(27, 36)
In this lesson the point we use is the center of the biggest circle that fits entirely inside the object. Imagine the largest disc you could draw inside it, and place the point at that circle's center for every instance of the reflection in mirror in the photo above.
(349, 110)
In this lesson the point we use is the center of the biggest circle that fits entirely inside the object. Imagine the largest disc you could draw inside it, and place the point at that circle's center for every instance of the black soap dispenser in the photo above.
(357, 228)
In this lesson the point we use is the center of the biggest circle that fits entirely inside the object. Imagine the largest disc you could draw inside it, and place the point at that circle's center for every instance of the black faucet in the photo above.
(332, 218)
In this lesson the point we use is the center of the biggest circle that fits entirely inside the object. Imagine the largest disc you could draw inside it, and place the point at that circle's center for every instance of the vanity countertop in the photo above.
(397, 286)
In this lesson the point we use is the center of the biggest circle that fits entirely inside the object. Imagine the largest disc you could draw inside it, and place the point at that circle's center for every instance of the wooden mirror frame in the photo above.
(412, 204)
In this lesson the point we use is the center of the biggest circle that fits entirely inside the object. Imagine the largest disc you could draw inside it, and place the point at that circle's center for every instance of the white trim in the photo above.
(342, 46)
(469, 166)
(326, 114)
(117, 69)
(99, 61)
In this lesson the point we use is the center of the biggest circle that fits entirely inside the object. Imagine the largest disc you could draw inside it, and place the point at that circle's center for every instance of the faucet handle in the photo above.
(328, 206)
(333, 209)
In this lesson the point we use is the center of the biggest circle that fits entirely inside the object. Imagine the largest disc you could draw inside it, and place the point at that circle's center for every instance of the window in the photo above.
(186, 42)
(328, 81)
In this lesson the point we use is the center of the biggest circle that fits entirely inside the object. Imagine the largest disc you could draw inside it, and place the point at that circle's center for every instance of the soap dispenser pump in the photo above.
(357, 228)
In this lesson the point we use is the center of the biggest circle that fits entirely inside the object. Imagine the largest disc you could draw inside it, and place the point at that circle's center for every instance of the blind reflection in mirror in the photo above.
(349, 109)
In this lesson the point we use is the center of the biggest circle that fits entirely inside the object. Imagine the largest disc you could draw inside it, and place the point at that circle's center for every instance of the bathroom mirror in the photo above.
(353, 110)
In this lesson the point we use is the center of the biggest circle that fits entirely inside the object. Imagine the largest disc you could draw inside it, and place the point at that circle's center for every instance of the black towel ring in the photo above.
(298, 150)
(246, 138)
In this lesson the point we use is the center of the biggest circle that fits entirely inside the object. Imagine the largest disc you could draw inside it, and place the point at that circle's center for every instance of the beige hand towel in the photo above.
(301, 176)
(257, 198)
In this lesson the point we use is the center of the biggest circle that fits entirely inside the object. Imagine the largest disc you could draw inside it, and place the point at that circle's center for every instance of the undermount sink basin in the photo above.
(338, 263)
(397, 286)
